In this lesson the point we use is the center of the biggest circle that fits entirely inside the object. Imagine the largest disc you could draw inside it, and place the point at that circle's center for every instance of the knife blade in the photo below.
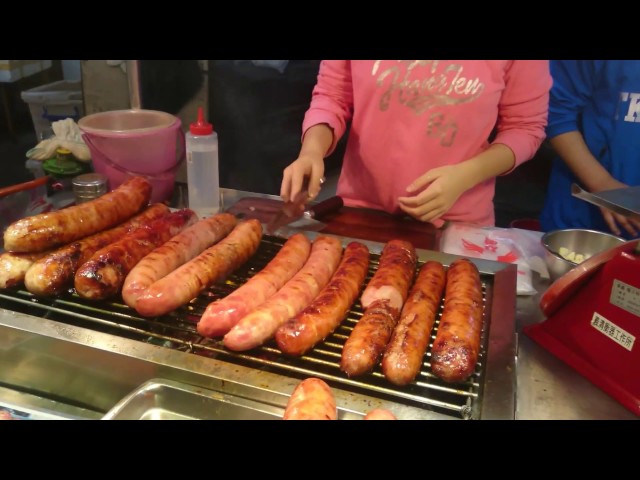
(294, 211)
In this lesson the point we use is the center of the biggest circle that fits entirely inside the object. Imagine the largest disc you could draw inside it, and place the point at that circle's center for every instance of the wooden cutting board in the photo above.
(351, 222)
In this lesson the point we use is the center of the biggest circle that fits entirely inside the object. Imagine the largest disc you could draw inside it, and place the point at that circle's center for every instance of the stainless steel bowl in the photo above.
(585, 242)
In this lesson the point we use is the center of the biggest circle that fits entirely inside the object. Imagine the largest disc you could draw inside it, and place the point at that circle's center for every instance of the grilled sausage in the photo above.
(393, 276)
(54, 273)
(216, 262)
(220, 316)
(368, 339)
(14, 266)
(49, 230)
(382, 299)
(103, 274)
(380, 414)
(177, 251)
(330, 307)
(312, 399)
(457, 345)
(410, 339)
(261, 324)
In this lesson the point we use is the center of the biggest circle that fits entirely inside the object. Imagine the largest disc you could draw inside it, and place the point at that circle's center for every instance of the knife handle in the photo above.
(329, 205)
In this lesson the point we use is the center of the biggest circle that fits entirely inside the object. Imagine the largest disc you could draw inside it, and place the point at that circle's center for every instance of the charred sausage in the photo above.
(457, 345)
(54, 273)
(103, 274)
(312, 399)
(216, 262)
(261, 324)
(175, 252)
(49, 230)
(330, 307)
(394, 275)
(220, 316)
(404, 354)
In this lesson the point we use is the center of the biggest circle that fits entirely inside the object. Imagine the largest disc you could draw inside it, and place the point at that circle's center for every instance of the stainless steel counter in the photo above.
(546, 387)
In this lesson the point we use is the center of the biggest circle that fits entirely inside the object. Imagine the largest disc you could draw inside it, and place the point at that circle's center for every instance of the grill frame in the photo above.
(492, 388)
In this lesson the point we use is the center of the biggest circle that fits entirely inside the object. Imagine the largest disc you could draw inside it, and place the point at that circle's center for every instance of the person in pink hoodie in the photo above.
(419, 142)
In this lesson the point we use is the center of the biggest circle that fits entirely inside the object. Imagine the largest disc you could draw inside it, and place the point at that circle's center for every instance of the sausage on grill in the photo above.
(220, 316)
(410, 339)
(103, 274)
(177, 251)
(330, 307)
(54, 272)
(312, 399)
(216, 262)
(457, 345)
(382, 299)
(49, 230)
(394, 275)
(14, 266)
(261, 324)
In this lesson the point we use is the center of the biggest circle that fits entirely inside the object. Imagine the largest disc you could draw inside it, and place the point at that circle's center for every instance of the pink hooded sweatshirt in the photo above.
(409, 116)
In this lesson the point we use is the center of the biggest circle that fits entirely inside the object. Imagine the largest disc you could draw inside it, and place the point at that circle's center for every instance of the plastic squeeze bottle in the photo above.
(202, 167)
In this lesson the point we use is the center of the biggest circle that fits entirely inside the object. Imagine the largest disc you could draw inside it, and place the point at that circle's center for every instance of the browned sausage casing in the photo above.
(14, 266)
(221, 315)
(49, 230)
(410, 339)
(457, 345)
(177, 251)
(312, 399)
(330, 307)
(394, 275)
(186, 282)
(54, 273)
(103, 274)
(261, 324)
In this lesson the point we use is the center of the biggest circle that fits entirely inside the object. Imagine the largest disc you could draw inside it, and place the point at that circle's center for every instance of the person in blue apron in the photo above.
(594, 127)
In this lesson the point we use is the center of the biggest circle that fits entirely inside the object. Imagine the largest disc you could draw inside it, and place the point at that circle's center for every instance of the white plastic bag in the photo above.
(509, 245)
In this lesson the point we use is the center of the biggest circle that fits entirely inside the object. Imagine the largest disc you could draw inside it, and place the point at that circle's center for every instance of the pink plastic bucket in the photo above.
(126, 143)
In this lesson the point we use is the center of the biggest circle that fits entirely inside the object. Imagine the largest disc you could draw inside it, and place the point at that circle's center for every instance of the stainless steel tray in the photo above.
(160, 399)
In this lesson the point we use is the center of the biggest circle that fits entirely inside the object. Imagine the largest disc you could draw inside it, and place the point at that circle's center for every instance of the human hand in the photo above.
(306, 165)
(444, 185)
(615, 220)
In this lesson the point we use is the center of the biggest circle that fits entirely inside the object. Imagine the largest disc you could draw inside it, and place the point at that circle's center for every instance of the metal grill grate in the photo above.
(178, 331)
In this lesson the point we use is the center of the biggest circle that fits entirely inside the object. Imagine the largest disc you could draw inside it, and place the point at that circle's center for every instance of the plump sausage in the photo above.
(383, 297)
(457, 345)
(103, 274)
(312, 399)
(49, 230)
(177, 251)
(380, 414)
(261, 324)
(404, 354)
(394, 275)
(368, 339)
(330, 307)
(54, 272)
(220, 316)
(216, 262)
(14, 266)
